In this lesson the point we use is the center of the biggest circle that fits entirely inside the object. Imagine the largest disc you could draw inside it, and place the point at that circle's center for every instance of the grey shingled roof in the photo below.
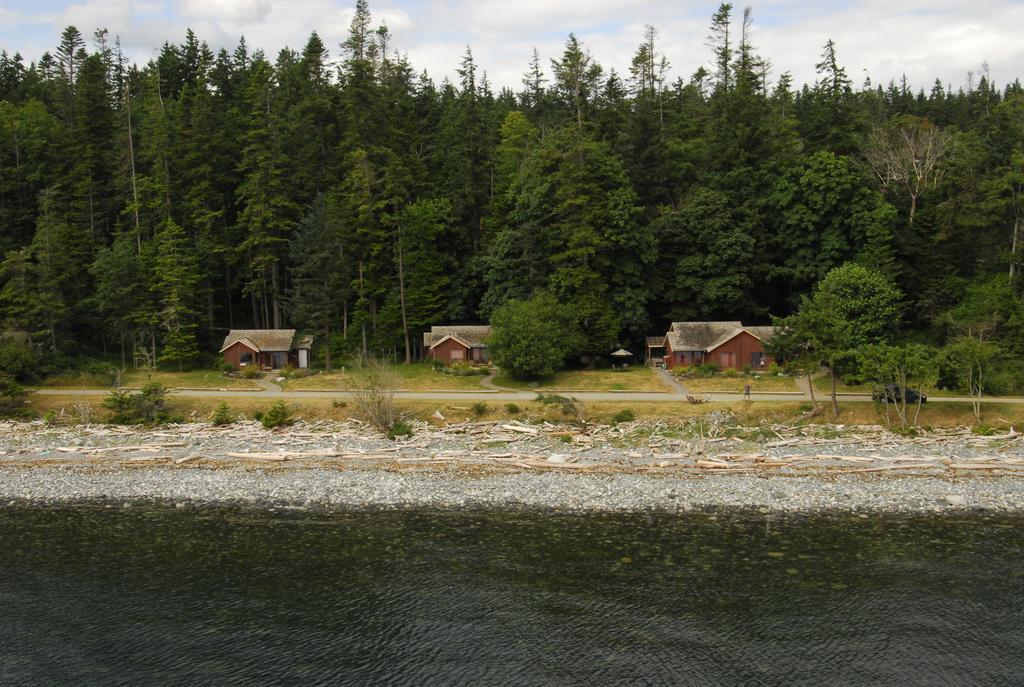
(707, 336)
(764, 333)
(262, 339)
(472, 334)
(699, 336)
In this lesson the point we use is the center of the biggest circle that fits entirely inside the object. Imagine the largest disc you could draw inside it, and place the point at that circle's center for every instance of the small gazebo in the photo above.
(621, 358)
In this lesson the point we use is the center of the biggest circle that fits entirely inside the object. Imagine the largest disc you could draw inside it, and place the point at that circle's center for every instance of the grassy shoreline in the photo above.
(994, 414)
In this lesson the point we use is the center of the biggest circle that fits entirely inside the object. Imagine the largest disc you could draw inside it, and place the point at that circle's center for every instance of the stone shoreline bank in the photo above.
(324, 489)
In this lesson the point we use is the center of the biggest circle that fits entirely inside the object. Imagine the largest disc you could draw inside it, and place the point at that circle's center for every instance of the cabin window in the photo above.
(758, 360)
(279, 360)
(458, 354)
(246, 358)
(728, 360)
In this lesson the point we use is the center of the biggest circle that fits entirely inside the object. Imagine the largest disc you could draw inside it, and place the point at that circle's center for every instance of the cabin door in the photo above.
(303, 357)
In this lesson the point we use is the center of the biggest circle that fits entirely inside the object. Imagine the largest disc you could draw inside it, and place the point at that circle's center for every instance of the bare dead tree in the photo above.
(907, 155)
(372, 385)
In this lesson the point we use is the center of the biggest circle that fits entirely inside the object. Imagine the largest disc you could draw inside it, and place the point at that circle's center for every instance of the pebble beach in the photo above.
(641, 467)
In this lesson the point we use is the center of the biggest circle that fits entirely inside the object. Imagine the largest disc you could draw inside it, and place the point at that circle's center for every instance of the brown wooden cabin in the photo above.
(729, 345)
(458, 344)
(269, 349)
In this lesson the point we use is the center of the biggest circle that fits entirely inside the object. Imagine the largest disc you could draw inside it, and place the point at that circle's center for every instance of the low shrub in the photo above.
(277, 415)
(17, 362)
(146, 407)
(480, 408)
(83, 379)
(401, 428)
(251, 372)
(465, 370)
(121, 406)
(437, 365)
(774, 369)
(625, 415)
(153, 403)
(227, 368)
(222, 415)
(730, 373)
(12, 398)
(571, 407)
(511, 408)
(985, 430)
(292, 372)
(707, 368)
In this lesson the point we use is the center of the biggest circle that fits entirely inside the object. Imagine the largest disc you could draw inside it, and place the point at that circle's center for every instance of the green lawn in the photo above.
(192, 379)
(414, 377)
(195, 379)
(767, 383)
(637, 378)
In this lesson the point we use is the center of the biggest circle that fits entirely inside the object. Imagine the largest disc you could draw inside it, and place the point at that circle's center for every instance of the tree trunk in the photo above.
(227, 294)
(1013, 248)
(255, 311)
(135, 190)
(363, 322)
(327, 347)
(275, 285)
(92, 213)
(209, 307)
(401, 298)
(810, 387)
(976, 397)
(835, 399)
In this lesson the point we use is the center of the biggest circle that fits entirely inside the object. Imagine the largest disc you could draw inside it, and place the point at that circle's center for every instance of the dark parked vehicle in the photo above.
(896, 394)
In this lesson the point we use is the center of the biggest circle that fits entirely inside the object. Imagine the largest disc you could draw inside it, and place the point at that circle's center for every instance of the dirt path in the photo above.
(677, 387)
(268, 386)
(488, 382)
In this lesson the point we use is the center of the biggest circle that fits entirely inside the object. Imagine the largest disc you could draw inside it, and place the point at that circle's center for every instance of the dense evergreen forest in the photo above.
(146, 209)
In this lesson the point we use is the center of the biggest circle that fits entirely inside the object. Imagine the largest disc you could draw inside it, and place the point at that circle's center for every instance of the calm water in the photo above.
(165, 597)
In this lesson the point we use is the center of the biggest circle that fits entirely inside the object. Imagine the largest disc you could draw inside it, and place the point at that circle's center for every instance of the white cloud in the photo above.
(235, 11)
(925, 39)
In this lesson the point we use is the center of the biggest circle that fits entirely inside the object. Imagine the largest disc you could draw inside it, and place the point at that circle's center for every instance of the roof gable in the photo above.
(698, 336)
(471, 336)
(261, 340)
(451, 337)
(243, 341)
(707, 336)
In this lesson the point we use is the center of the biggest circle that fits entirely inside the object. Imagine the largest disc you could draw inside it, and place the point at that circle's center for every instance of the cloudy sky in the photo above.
(925, 39)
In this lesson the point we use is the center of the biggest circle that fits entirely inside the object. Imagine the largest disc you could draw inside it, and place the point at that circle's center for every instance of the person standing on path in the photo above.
(746, 392)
